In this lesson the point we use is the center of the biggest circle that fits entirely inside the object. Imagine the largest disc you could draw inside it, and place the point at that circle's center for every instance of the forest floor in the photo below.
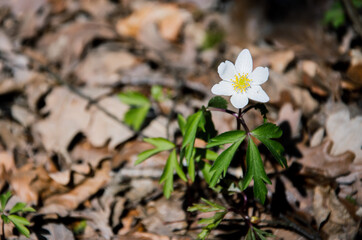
(66, 150)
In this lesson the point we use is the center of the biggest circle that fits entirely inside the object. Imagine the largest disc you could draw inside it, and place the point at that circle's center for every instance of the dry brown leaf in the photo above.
(31, 14)
(69, 116)
(319, 160)
(345, 133)
(66, 44)
(12, 135)
(58, 232)
(168, 17)
(279, 83)
(101, 66)
(76, 196)
(332, 217)
(20, 73)
(145, 236)
(157, 128)
(102, 128)
(287, 113)
(279, 60)
(31, 183)
(354, 71)
(164, 216)
(98, 8)
(351, 185)
(22, 115)
(7, 165)
(86, 153)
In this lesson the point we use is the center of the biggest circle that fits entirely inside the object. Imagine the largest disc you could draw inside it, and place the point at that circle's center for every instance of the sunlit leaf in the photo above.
(17, 207)
(191, 128)
(136, 116)
(161, 144)
(133, 98)
(226, 137)
(222, 163)
(168, 172)
(19, 223)
(264, 133)
(4, 198)
(156, 93)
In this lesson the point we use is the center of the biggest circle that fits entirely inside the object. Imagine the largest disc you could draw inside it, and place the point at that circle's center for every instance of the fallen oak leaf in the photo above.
(72, 199)
(67, 44)
(318, 160)
(332, 217)
(168, 17)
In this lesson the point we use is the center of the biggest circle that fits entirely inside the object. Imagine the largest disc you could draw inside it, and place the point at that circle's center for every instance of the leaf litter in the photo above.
(65, 147)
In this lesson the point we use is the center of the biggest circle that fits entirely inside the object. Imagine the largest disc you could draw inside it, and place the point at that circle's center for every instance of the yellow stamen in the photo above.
(241, 82)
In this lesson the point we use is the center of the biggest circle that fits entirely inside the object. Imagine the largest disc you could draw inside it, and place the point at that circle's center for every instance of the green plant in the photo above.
(336, 15)
(140, 106)
(242, 84)
(12, 216)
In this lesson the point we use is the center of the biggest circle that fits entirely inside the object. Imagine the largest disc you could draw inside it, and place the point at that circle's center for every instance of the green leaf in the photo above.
(262, 234)
(5, 218)
(190, 156)
(211, 155)
(191, 128)
(19, 223)
(18, 207)
(266, 131)
(161, 144)
(29, 209)
(134, 98)
(136, 116)
(226, 137)
(80, 227)
(205, 169)
(212, 223)
(208, 207)
(181, 123)
(335, 15)
(255, 170)
(4, 198)
(156, 93)
(250, 235)
(222, 163)
(218, 102)
(212, 38)
(188, 149)
(167, 175)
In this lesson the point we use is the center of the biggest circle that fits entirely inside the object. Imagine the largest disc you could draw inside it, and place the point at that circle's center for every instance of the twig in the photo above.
(353, 15)
(60, 81)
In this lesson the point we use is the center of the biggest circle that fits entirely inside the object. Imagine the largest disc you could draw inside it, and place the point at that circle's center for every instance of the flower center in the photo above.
(241, 82)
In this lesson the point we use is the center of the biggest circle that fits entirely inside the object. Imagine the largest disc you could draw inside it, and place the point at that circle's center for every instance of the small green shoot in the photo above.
(11, 216)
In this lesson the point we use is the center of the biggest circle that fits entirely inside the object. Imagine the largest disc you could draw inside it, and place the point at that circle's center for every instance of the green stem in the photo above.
(240, 121)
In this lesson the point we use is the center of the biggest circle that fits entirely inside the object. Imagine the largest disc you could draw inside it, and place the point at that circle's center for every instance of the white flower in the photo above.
(240, 82)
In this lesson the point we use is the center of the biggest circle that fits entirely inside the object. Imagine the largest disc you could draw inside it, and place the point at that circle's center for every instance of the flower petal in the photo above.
(239, 100)
(259, 75)
(256, 93)
(226, 70)
(223, 88)
(244, 62)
